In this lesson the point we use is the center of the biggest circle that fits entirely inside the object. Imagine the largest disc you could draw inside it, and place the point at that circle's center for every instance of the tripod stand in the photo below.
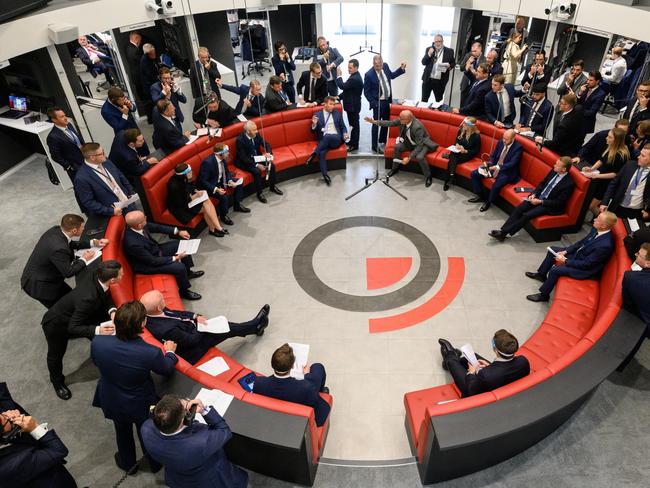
(385, 179)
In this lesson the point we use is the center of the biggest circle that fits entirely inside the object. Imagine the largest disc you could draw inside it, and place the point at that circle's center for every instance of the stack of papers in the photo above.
(215, 398)
(189, 246)
(204, 196)
(242, 118)
(132, 199)
(634, 224)
(215, 366)
(468, 352)
(453, 149)
(301, 352)
(98, 253)
(216, 325)
(235, 183)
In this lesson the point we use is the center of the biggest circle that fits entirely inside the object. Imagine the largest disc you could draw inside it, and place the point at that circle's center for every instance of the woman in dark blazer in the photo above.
(181, 191)
(468, 143)
(125, 390)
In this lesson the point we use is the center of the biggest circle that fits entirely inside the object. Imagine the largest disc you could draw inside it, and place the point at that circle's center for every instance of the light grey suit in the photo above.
(421, 145)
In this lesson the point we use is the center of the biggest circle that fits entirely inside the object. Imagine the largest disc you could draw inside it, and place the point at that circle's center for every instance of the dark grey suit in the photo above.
(421, 145)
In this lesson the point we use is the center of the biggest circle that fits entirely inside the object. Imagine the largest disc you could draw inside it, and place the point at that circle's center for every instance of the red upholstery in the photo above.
(581, 312)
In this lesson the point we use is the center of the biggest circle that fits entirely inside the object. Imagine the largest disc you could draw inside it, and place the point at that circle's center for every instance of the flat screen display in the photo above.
(18, 103)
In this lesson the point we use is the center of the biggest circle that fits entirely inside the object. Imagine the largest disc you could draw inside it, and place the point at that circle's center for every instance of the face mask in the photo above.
(635, 267)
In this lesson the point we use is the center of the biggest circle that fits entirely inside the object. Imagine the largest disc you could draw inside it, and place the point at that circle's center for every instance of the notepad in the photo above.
(453, 149)
(193, 203)
(108, 322)
(98, 253)
(191, 139)
(219, 400)
(132, 199)
(203, 131)
(301, 352)
(189, 246)
(634, 224)
(468, 352)
(216, 325)
(215, 366)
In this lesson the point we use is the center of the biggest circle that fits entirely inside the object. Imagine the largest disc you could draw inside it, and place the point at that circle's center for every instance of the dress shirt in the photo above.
(637, 186)
(329, 127)
(435, 73)
(407, 133)
(505, 97)
(551, 184)
(534, 110)
(69, 134)
(109, 180)
(384, 87)
(39, 431)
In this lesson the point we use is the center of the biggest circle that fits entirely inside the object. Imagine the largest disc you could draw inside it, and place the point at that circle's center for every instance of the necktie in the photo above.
(501, 106)
(222, 169)
(254, 148)
(532, 114)
(502, 158)
(549, 188)
(384, 85)
(112, 184)
(73, 136)
(284, 96)
(627, 201)
(592, 234)
(311, 90)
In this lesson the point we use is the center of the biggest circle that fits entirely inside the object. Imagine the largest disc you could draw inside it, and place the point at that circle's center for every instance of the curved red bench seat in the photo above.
(534, 166)
(291, 139)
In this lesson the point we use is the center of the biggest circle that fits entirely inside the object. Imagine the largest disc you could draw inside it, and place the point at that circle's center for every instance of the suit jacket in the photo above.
(142, 251)
(351, 92)
(590, 108)
(338, 123)
(577, 83)
(211, 74)
(84, 57)
(429, 61)
(475, 101)
(51, 261)
(95, 196)
(635, 293)
(293, 390)
(545, 78)
(634, 241)
(593, 149)
(304, 86)
(176, 98)
(510, 167)
(540, 120)
(257, 103)
(638, 116)
(496, 69)
(194, 457)
(80, 311)
(113, 117)
(492, 111)
(225, 114)
(497, 374)
(419, 135)
(180, 327)
(148, 73)
(210, 175)
(556, 201)
(125, 390)
(567, 133)
(132, 54)
(287, 67)
(168, 136)
(179, 195)
(63, 150)
(371, 84)
(587, 257)
(128, 159)
(615, 192)
(247, 150)
(273, 102)
(468, 78)
(334, 57)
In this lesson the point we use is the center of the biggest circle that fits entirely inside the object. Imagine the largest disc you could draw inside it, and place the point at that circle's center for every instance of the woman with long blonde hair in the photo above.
(468, 145)
(513, 55)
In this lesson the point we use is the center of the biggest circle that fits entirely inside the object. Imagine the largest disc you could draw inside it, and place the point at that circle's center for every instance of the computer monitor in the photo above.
(18, 103)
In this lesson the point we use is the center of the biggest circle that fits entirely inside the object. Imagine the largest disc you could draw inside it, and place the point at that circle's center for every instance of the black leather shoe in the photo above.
(537, 297)
(375, 149)
(227, 220)
(264, 312)
(444, 365)
(485, 206)
(498, 235)
(217, 233)
(475, 200)
(311, 157)
(225, 231)
(276, 190)
(446, 348)
(62, 391)
(393, 172)
(327, 180)
(242, 209)
(535, 276)
(260, 197)
(129, 470)
(445, 186)
(190, 295)
(429, 181)
(264, 323)
(195, 274)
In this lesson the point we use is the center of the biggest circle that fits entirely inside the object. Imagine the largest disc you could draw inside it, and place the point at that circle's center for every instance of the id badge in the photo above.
(399, 140)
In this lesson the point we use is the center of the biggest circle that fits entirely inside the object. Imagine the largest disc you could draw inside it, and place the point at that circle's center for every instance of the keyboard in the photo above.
(13, 114)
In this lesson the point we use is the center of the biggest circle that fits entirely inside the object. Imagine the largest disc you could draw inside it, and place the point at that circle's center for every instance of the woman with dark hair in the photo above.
(125, 390)
(284, 68)
(181, 192)
(468, 145)
(641, 138)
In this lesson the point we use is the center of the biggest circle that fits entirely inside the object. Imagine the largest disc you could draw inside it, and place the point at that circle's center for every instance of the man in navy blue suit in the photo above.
(283, 386)
(251, 101)
(329, 59)
(149, 257)
(118, 110)
(536, 111)
(95, 59)
(167, 89)
(583, 260)
(379, 93)
(628, 195)
(181, 326)
(191, 452)
(591, 96)
(284, 67)
(636, 284)
(503, 166)
(350, 96)
(500, 103)
(125, 389)
(330, 131)
(99, 185)
(31, 454)
(64, 142)
(168, 134)
(130, 154)
(475, 99)
(215, 178)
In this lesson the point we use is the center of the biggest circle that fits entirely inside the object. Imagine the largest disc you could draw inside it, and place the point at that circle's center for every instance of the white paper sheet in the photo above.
(235, 183)
(526, 133)
(453, 149)
(242, 118)
(215, 132)
(189, 246)
(204, 196)
(409, 103)
(215, 366)
(634, 225)
(215, 325)
(203, 131)
(552, 252)
(482, 170)
(98, 253)
(301, 352)
(215, 398)
(108, 322)
(468, 351)
(436, 104)
(191, 139)
(422, 104)
(132, 199)
(259, 159)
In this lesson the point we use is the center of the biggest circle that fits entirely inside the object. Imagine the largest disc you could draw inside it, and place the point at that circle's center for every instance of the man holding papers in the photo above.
(583, 260)
(192, 332)
(474, 375)
(148, 257)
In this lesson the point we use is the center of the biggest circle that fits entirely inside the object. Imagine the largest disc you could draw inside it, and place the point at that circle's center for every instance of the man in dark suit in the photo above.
(168, 134)
(500, 103)
(64, 142)
(283, 386)
(181, 326)
(438, 61)
(167, 89)
(80, 313)
(567, 128)
(53, 260)
(118, 110)
(249, 145)
(149, 66)
(275, 100)
(95, 59)
(469, 65)
(211, 112)
(413, 137)
(483, 376)
(132, 55)
(130, 154)
(536, 111)
(149, 257)
(583, 260)
(590, 97)
(628, 195)
(99, 185)
(503, 166)
(215, 178)
(125, 390)
(537, 73)
(251, 101)
(31, 453)
(330, 132)
(636, 284)
(634, 240)
(593, 149)
(637, 107)
(207, 73)
(284, 66)
(379, 93)
(191, 452)
(573, 80)
(474, 102)
(491, 58)
(549, 198)
(329, 59)
(351, 92)
(312, 86)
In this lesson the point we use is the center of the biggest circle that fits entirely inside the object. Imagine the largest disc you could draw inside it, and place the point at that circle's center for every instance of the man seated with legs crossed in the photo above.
(549, 198)
(180, 326)
(583, 260)
(473, 379)
(331, 133)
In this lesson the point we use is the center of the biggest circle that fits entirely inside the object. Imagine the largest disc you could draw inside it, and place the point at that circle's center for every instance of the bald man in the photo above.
(181, 327)
(413, 137)
(149, 257)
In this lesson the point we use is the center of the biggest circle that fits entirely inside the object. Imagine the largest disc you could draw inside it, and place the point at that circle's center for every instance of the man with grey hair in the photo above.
(149, 66)
(251, 101)
(207, 72)
(438, 61)
(413, 137)
(468, 66)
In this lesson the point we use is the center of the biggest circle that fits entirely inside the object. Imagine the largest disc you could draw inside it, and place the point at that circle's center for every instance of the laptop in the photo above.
(17, 108)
